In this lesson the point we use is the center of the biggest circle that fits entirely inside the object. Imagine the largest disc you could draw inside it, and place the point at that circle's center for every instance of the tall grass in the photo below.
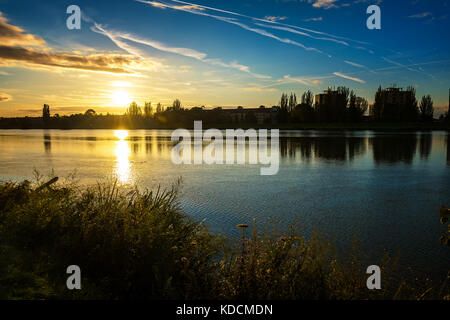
(133, 244)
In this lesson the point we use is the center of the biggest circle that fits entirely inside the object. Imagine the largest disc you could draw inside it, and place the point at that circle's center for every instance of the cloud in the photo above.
(338, 74)
(313, 19)
(354, 64)
(112, 63)
(420, 15)
(301, 33)
(11, 35)
(235, 14)
(160, 5)
(5, 97)
(157, 45)
(19, 47)
(232, 21)
(275, 19)
(326, 4)
(304, 81)
(117, 38)
(260, 89)
(190, 7)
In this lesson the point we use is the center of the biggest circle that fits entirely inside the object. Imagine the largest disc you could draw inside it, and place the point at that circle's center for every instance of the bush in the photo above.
(133, 244)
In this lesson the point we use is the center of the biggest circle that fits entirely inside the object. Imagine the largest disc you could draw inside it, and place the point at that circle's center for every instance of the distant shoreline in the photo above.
(288, 126)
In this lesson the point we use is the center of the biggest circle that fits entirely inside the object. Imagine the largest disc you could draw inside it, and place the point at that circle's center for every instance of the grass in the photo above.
(138, 244)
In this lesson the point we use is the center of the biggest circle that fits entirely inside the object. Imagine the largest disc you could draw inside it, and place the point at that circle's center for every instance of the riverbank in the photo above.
(127, 124)
(134, 244)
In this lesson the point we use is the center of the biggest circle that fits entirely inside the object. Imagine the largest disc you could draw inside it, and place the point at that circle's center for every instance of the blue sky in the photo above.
(213, 53)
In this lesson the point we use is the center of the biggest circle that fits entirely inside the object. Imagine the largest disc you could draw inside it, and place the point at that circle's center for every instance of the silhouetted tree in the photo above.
(292, 102)
(148, 109)
(134, 110)
(304, 112)
(90, 113)
(284, 106)
(341, 102)
(159, 108)
(357, 106)
(410, 110)
(307, 98)
(378, 105)
(426, 108)
(176, 105)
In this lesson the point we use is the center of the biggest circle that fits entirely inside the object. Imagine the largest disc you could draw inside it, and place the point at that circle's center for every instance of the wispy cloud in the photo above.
(303, 80)
(275, 19)
(236, 14)
(313, 19)
(157, 45)
(325, 4)
(118, 37)
(237, 23)
(338, 74)
(420, 15)
(354, 64)
(260, 89)
(5, 97)
(301, 33)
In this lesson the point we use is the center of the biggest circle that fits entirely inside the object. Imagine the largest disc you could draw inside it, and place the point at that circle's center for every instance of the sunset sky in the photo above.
(215, 53)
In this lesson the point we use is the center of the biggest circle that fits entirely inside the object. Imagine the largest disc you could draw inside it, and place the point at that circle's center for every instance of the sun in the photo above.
(121, 98)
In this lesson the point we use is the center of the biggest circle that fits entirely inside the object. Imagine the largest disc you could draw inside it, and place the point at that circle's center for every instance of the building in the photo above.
(259, 115)
(328, 97)
(331, 105)
(396, 96)
(393, 104)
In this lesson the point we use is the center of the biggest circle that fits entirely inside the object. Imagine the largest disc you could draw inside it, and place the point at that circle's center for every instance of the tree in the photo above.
(284, 102)
(90, 113)
(307, 98)
(410, 110)
(284, 107)
(134, 110)
(148, 109)
(304, 112)
(46, 113)
(378, 105)
(356, 108)
(292, 102)
(426, 108)
(176, 105)
(159, 108)
(341, 104)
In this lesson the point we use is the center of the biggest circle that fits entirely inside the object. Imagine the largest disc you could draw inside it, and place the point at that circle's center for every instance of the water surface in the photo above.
(385, 187)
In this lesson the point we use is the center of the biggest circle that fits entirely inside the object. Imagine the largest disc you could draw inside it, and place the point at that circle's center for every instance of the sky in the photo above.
(215, 53)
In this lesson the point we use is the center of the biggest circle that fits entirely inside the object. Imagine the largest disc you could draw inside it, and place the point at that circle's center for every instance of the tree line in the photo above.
(339, 105)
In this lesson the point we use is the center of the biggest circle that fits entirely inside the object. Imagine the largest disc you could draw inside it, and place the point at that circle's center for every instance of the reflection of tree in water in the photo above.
(47, 143)
(135, 147)
(425, 145)
(356, 147)
(329, 148)
(392, 149)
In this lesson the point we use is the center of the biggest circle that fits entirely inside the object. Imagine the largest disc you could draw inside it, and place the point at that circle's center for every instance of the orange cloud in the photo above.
(5, 97)
(16, 48)
(112, 63)
(12, 35)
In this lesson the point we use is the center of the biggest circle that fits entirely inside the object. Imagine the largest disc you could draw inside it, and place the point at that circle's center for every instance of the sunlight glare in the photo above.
(121, 134)
(121, 98)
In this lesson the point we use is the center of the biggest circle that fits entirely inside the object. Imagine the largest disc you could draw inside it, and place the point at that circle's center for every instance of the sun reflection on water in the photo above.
(123, 166)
